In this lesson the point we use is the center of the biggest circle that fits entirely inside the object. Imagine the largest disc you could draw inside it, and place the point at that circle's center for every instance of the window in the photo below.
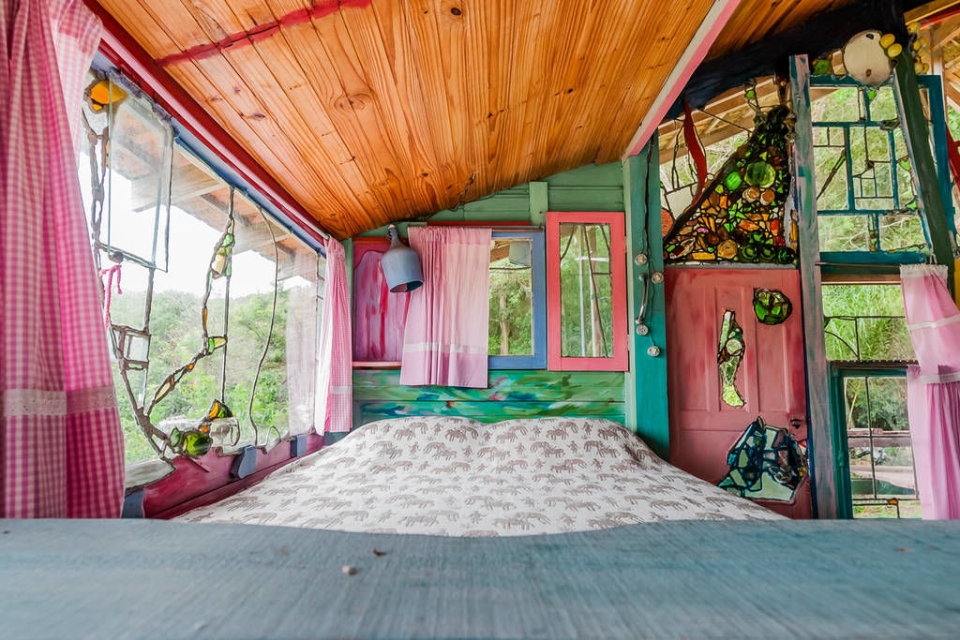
(865, 196)
(865, 323)
(869, 347)
(881, 476)
(586, 292)
(210, 302)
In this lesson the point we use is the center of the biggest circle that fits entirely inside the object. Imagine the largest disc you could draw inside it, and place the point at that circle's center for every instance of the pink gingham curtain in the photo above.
(335, 372)
(933, 389)
(446, 336)
(61, 445)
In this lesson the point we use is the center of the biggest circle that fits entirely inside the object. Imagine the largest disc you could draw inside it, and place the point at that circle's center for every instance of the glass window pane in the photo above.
(585, 291)
(511, 297)
(902, 231)
(840, 337)
(298, 287)
(256, 354)
(177, 321)
(884, 339)
(865, 322)
(882, 476)
(844, 233)
(830, 159)
(840, 105)
(137, 197)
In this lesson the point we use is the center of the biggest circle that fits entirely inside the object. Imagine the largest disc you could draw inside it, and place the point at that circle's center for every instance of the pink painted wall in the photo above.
(207, 480)
(378, 315)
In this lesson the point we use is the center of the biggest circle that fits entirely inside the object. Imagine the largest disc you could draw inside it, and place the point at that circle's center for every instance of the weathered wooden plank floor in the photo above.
(156, 579)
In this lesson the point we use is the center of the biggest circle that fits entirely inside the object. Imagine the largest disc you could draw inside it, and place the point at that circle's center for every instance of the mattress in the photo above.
(453, 476)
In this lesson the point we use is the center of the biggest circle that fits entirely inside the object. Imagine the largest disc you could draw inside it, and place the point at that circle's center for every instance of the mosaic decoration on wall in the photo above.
(739, 216)
(771, 306)
(729, 355)
(766, 463)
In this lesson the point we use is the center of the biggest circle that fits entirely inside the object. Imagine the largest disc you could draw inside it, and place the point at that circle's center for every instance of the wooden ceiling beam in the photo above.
(692, 56)
(950, 88)
(930, 10)
(946, 31)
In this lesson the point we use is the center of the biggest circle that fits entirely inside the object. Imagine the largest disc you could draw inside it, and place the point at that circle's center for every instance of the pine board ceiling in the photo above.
(368, 112)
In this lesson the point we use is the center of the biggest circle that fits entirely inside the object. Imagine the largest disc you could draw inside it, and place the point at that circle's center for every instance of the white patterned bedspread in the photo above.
(458, 477)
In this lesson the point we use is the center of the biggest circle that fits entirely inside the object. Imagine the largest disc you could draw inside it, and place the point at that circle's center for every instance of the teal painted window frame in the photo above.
(839, 372)
(934, 87)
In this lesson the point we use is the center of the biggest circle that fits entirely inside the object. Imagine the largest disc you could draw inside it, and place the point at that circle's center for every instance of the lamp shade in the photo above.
(401, 265)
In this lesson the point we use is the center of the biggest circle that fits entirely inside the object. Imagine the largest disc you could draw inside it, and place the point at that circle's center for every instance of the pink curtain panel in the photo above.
(446, 335)
(61, 444)
(335, 377)
(933, 389)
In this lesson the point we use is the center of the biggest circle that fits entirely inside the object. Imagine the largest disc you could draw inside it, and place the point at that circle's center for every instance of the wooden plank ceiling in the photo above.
(368, 112)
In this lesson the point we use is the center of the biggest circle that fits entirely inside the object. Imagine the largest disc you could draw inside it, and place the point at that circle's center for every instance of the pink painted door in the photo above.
(770, 378)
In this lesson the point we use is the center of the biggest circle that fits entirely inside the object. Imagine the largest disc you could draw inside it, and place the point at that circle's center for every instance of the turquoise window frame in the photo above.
(839, 372)
(934, 87)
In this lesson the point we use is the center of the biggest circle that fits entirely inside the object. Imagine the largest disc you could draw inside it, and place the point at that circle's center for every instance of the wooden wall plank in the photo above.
(505, 386)
(489, 411)
(819, 427)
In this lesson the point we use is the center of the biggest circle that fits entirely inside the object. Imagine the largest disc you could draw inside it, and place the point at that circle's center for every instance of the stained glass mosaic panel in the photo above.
(739, 215)
(729, 355)
(765, 463)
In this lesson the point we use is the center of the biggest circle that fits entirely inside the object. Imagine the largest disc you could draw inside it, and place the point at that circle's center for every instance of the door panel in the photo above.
(770, 378)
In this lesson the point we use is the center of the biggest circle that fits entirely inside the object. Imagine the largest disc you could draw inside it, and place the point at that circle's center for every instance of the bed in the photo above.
(453, 476)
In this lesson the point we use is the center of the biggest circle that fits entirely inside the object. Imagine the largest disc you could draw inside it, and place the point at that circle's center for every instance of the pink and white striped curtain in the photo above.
(61, 444)
(335, 372)
(446, 337)
(933, 389)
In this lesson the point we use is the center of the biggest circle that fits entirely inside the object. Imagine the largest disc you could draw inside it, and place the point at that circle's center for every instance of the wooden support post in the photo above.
(646, 384)
(916, 135)
(820, 427)
(539, 203)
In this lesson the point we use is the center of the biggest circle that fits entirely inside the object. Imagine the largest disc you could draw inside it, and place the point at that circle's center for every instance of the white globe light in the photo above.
(866, 60)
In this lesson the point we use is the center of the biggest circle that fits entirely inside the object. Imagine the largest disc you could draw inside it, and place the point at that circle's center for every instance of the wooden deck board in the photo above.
(156, 579)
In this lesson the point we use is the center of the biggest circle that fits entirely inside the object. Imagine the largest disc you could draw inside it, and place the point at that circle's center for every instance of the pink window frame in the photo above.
(618, 270)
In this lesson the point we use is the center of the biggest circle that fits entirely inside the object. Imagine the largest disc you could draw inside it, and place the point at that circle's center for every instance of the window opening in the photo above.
(586, 287)
(199, 284)
(869, 348)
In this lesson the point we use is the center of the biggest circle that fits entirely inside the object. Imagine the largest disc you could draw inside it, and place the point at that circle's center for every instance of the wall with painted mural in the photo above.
(527, 388)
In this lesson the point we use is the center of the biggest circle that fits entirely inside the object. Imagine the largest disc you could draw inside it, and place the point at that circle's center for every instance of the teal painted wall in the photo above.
(612, 187)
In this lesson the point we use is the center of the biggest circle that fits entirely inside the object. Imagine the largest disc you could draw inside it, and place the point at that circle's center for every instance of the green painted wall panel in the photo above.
(607, 175)
(505, 386)
(490, 411)
(586, 199)
(646, 395)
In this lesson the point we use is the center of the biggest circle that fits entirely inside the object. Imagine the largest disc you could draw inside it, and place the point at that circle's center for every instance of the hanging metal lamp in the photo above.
(401, 265)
